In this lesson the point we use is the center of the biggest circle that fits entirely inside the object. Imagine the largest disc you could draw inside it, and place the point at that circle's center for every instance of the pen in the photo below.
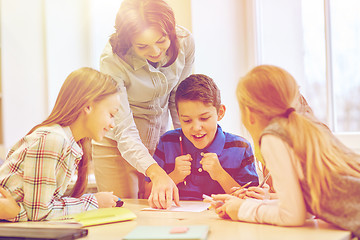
(182, 152)
(119, 202)
(264, 180)
(208, 197)
(238, 188)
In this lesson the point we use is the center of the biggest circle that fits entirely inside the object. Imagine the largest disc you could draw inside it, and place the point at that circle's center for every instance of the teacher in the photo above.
(149, 55)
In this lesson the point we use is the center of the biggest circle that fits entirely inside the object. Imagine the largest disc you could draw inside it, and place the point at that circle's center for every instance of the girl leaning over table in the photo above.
(39, 167)
(312, 170)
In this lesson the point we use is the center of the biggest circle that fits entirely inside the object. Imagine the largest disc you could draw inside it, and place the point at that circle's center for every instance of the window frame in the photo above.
(351, 138)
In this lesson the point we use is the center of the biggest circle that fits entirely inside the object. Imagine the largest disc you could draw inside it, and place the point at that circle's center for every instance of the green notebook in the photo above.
(192, 232)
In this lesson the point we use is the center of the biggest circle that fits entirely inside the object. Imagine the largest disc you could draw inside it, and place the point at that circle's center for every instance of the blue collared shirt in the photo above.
(234, 153)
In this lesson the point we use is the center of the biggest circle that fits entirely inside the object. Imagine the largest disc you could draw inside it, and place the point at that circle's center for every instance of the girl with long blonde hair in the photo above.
(40, 166)
(311, 169)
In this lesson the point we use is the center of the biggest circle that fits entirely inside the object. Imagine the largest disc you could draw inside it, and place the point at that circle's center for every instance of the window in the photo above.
(317, 41)
(338, 53)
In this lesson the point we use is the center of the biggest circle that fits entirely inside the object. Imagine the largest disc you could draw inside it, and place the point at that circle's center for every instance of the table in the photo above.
(219, 228)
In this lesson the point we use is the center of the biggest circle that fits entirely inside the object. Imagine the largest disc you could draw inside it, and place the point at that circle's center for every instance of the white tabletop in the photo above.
(219, 228)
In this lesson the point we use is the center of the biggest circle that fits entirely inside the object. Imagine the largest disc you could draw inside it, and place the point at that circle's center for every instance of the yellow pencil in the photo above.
(238, 188)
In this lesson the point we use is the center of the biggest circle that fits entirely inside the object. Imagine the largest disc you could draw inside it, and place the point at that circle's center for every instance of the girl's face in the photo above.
(199, 121)
(151, 44)
(100, 116)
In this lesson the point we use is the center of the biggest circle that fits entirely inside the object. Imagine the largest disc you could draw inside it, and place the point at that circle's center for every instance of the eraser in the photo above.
(179, 229)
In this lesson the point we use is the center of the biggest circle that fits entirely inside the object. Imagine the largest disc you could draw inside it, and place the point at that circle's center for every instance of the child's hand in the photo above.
(106, 199)
(238, 192)
(210, 163)
(8, 206)
(182, 167)
(230, 208)
(258, 193)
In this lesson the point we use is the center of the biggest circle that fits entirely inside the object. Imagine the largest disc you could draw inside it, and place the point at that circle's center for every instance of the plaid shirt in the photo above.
(38, 170)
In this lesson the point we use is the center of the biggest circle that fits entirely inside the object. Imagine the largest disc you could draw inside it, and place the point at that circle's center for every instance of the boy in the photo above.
(201, 158)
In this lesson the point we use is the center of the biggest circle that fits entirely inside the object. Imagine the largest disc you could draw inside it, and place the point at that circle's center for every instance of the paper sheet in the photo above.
(184, 207)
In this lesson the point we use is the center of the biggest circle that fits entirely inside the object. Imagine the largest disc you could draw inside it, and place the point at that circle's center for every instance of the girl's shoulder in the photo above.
(45, 138)
(53, 136)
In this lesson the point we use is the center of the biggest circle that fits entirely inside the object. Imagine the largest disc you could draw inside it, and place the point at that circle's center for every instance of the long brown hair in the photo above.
(270, 91)
(134, 16)
(81, 87)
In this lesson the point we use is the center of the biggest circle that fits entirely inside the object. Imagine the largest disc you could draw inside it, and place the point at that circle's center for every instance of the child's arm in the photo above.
(210, 163)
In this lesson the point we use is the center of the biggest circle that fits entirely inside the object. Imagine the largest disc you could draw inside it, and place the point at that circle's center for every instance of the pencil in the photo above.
(264, 180)
(243, 186)
(182, 152)
(181, 146)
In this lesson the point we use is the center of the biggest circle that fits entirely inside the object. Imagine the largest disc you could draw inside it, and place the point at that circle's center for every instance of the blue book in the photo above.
(192, 232)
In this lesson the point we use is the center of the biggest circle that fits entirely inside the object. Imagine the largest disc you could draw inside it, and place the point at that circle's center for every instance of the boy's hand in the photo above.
(210, 163)
(182, 168)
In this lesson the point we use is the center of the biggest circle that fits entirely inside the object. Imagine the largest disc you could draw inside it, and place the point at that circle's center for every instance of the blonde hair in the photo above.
(81, 87)
(271, 91)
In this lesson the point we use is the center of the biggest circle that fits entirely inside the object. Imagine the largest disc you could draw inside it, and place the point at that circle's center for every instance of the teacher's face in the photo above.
(151, 44)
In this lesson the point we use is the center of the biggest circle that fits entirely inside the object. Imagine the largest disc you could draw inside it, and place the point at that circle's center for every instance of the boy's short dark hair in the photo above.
(198, 87)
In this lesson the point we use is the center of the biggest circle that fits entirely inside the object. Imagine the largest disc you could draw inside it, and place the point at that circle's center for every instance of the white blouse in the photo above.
(289, 209)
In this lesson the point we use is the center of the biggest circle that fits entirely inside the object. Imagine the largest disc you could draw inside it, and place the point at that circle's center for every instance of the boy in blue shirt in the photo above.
(199, 157)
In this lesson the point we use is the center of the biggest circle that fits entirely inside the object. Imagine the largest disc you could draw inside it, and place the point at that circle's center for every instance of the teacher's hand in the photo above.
(163, 190)
(8, 206)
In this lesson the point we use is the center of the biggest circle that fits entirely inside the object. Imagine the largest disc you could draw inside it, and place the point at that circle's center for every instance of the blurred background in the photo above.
(317, 41)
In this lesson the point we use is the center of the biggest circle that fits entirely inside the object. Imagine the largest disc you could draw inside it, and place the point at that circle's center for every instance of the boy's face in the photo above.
(199, 121)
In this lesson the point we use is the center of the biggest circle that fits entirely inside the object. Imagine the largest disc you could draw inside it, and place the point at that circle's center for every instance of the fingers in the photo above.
(221, 211)
(151, 200)
(166, 198)
(155, 201)
(257, 192)
(238, 191)
(221, 197)
(185, 158)
(5, 193)
(176, 196)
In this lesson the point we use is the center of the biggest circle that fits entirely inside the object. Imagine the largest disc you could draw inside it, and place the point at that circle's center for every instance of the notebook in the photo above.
(192, 232)
(99, 216)
(29, 233)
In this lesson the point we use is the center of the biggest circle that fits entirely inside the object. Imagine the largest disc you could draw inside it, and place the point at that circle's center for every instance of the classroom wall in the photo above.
(41, 43)
(23, 75)
(225, 49)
